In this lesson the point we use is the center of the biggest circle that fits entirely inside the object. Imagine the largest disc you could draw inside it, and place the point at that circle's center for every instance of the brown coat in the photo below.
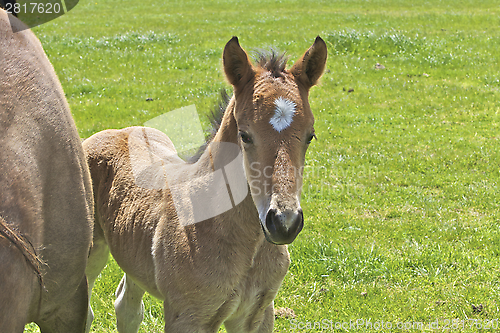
(45, 193)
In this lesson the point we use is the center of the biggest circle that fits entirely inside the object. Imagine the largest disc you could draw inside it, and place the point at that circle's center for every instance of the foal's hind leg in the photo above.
(98, 257)
(129, 307)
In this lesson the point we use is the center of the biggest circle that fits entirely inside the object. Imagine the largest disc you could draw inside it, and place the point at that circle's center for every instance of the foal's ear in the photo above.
(237, 66)
(309, 68)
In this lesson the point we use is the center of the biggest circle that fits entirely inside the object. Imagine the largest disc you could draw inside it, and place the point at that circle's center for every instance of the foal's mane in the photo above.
(215, 117)
(273, 61)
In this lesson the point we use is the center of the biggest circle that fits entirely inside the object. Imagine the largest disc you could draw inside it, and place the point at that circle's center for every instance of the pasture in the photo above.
(401, 194)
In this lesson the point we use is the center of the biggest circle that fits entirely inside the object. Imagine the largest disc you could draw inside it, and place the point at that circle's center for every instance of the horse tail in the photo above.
(24, 245)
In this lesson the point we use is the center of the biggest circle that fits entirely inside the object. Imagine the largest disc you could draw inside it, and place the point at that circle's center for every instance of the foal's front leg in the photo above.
(189, 320)
(258, 321)
(268, 322)
(129, 307)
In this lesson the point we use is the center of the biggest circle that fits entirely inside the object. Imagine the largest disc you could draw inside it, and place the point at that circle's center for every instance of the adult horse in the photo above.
(194, 235)
(46, 202)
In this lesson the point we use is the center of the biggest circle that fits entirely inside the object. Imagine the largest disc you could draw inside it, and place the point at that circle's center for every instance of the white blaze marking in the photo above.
(284, 111)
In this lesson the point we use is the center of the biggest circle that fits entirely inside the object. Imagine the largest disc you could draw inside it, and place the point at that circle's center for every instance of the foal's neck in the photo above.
(228, 130)
(243, 219)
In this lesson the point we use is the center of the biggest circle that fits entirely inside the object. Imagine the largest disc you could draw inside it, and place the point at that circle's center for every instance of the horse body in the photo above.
(226, 268)
(46, 196)
(217, 262)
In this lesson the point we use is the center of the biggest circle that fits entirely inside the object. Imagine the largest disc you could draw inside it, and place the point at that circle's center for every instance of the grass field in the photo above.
(401, 194)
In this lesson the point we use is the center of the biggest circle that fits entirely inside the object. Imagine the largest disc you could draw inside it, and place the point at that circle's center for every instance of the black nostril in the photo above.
(300, 221)
(300, 218)
(271, 215)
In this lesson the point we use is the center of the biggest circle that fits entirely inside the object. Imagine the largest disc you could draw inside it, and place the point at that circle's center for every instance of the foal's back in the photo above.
(127, 170)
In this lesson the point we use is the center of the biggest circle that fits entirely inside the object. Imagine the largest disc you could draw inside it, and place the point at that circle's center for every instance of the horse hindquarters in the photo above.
(45, 191)
(19, 287)
(70, 316)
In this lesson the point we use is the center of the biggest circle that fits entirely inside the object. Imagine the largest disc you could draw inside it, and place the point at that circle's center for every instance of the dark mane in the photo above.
(217, 113)
(271, 60)
(215, 118)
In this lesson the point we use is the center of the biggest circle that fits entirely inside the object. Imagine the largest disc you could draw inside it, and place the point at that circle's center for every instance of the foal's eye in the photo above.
(245, 138)
(311, 137)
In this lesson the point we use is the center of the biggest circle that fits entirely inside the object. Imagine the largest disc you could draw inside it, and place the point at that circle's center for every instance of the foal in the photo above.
(194, 235)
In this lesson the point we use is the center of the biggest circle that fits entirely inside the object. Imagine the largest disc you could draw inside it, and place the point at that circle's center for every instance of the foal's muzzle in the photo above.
(282, 228)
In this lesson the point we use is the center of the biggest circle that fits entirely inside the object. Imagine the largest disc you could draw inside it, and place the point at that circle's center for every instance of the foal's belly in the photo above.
(141, 273)
(132, 251)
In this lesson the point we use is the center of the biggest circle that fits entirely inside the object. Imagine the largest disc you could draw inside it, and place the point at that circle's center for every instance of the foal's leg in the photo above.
(256, 321)
(129, 307)
(268, 322)
(188, 321)
(98, 257)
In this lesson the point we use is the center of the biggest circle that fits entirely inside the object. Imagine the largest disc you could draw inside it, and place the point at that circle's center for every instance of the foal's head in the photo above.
(275, 127)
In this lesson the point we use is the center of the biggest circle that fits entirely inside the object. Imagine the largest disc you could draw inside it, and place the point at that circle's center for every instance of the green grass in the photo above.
(401, 192)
